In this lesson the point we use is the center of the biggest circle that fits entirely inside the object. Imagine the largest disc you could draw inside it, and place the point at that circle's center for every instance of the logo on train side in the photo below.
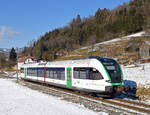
(78, 82)
(86, 84)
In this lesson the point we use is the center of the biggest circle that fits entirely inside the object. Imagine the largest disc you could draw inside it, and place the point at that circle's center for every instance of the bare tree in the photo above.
(91, 42)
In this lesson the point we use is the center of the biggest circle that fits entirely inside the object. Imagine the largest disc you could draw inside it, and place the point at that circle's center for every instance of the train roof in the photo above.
(99, 58)
(74, 61)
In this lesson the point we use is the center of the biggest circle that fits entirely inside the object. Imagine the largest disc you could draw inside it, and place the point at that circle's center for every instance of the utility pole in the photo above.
(17, 63)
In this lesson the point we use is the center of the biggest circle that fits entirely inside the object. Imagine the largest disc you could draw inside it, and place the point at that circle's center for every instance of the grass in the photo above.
(9, 69)
(112, 50)
(143, 93)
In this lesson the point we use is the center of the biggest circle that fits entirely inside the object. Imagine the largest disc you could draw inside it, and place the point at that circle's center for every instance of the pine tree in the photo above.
(12, 55)
(78, 19)
(98, 13)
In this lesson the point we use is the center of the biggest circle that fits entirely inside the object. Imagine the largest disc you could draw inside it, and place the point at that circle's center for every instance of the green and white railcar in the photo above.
(92, 74)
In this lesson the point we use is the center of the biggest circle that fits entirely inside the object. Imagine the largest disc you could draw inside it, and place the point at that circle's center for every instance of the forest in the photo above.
(105, 25)
(8, 62)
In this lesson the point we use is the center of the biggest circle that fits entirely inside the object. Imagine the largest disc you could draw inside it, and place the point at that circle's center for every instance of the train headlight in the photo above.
(109, 81)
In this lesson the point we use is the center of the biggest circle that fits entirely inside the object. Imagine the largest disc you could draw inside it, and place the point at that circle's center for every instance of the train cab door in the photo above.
(69, 77)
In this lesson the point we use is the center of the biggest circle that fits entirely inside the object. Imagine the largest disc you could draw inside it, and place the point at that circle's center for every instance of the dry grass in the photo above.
(143, 93)
(112, 50)
(144, 38)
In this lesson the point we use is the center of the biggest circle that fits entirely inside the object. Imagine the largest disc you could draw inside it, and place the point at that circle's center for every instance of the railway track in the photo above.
(136, 107)
(122, 105)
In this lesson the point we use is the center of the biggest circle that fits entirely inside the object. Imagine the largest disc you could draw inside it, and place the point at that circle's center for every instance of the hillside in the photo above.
(105, 25)
(126, 50)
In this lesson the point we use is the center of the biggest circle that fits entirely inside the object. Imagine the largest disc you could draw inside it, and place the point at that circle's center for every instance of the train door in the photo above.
(69, 77)
(25, 73)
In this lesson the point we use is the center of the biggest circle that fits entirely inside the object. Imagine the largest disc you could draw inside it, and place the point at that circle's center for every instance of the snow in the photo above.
(137, 75)
(118, 39)
(122, 38)
(135, 35)
(19, 100)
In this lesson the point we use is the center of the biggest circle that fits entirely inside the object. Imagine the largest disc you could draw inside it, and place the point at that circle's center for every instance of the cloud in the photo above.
(7, 32)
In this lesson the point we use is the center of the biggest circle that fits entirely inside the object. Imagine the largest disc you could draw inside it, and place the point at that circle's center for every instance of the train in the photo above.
(92, 74)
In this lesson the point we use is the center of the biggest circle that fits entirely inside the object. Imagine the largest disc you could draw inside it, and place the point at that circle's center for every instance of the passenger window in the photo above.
(22, 70)
(95, 74)
(76, 73)
(40, 72)
(87, 73)
(55, 73)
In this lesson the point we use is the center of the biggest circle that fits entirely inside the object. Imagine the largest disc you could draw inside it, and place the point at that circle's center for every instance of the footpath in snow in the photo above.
(19, 100)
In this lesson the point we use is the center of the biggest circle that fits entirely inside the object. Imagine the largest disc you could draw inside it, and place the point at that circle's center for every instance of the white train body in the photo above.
(94, 74)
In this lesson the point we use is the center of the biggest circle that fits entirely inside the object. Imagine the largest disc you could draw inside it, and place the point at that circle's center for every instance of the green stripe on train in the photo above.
(69, 77)
(25, 73)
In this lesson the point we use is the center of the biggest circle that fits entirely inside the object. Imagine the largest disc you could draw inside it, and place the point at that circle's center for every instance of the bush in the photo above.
(143, 93)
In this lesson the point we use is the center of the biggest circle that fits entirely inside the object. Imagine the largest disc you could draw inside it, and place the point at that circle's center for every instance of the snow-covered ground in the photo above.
(19, 100)
(136, 76)
(118, 39)
(122, 38)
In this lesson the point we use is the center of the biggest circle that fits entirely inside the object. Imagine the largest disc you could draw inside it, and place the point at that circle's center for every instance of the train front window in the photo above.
(113, 70)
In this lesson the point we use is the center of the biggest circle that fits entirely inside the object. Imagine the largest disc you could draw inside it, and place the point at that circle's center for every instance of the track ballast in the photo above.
(96, 103)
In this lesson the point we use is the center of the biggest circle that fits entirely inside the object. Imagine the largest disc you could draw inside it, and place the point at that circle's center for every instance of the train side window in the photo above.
(58, 74)
(47, 73)
(22, 70)
(95, 74)
(76, 73)
(40, 72)
(51, 74)
(55, 74)
(35, 71)
(32, 71)
(83, 74)
(62, 74)
(29, 71)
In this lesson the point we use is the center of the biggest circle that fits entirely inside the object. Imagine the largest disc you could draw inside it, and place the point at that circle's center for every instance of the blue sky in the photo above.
(24, 20)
